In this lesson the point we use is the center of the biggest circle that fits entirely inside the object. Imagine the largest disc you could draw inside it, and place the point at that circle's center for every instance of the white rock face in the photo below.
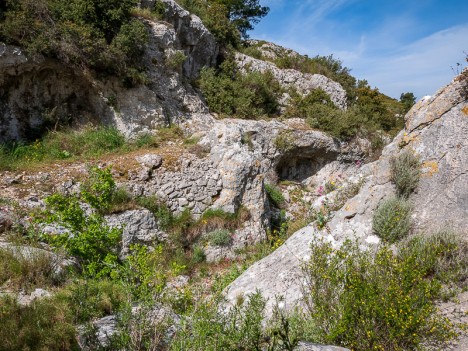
(436, 130)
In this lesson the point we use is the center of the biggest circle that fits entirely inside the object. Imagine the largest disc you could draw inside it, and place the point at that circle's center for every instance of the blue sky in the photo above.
(397, 45)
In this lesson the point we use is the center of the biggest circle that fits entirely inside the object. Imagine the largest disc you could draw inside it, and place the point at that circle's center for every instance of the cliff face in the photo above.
(436, 130)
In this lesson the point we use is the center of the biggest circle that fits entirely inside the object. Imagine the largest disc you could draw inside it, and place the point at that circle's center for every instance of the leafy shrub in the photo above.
(284, 141)
(368, 114)
(86, 237)
(99, 188)
(392, 219)
(232, 93)
(96, 34)
(374, 302)
(219, 237)
(46, 324)
(405, 172)
(275, 195)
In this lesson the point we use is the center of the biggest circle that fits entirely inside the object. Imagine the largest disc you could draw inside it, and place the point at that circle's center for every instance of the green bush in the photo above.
(96, 34)
(392, 219)
(198, 255)
(275, 195)
(86, 236)
(220, 237)
(229, 92)
(46, 324)
(175, 60)
(374, 302)
(405, 172)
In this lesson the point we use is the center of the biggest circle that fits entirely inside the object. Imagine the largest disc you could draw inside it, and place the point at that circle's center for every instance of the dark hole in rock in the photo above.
(298, 166)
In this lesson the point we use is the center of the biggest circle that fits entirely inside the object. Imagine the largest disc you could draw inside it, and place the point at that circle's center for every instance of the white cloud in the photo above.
(422, 67)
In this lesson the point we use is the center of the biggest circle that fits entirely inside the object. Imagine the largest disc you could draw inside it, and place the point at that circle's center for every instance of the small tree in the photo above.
(408, 100)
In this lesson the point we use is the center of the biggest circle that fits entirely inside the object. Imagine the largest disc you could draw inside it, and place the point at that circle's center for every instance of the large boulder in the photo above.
(436, 130)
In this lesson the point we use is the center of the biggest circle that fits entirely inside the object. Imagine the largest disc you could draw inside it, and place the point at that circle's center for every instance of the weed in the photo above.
(220, 237)
(405, 172)
(175, 60)
(198, 255)
(392, 219)
(46, 324)
(275, 195)
(284, 141)
(24, 269)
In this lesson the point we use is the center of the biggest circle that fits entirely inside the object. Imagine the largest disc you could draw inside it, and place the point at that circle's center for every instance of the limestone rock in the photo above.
(139, 226)
(436, 130)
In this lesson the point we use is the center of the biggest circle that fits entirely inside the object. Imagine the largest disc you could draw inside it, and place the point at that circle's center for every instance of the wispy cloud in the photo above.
(395, 48)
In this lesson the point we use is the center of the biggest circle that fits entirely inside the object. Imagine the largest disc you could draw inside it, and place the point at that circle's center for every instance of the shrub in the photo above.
(275, 195)
(392, 219)
(229, 92)
(284, 141)
(198, 255)
(443, 253)
(86, 236)
(219, 237)
(46, 324)
(99, 189)
(405, 172)
(175, 60)
(95, 34)
(373, 302)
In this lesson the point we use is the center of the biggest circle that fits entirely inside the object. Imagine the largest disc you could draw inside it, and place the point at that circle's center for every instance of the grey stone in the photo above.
(139, 226)
(305, 346)
(150, 161)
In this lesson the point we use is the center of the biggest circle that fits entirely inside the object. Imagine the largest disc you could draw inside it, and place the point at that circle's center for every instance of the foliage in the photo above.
(99, 188)
(95, 34)
(220, 237)
(198, 255)
(144, 271)
(275, 195)
(175, 60)
(86, 237)
(392, 219)
(229, 92)
(227, 20)
(405, 172)
(373, 302)
(368, 114)
(46, 324)
(89, 299)
(139, 330)
(25, 270)
(408, 100)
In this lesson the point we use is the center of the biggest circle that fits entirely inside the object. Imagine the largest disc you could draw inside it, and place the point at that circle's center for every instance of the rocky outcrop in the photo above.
(304, 83)
(436, 130)
(64, 95)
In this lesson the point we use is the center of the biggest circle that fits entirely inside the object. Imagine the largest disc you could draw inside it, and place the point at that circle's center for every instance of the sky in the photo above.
(397, 46)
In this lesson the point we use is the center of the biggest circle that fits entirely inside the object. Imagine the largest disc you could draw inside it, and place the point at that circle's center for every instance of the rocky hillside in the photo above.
(132, 196)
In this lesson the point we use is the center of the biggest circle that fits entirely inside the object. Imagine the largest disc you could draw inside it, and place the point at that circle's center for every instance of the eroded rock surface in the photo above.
(436, 130)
